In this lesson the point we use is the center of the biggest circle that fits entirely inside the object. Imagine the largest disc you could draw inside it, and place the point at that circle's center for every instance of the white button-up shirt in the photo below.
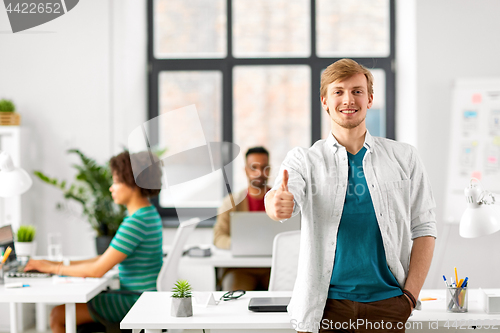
(318, 179)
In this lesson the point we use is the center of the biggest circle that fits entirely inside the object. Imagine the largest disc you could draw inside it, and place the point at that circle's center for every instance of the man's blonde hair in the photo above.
(341, 70)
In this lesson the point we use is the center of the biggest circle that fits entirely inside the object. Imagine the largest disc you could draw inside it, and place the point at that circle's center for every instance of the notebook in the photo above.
(268, 304)
(12, 267)
(252, 233)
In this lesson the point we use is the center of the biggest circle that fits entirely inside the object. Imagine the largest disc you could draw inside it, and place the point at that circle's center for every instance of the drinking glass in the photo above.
(55, 246)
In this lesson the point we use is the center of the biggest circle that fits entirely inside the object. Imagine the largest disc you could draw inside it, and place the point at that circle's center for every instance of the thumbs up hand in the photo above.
(280, 206)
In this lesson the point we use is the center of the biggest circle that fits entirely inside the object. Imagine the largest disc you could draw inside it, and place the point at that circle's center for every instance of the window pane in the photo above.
(352, 28)
(375, 117)
(271, 28)
(272, 108)
(190, 29)
(180, 131)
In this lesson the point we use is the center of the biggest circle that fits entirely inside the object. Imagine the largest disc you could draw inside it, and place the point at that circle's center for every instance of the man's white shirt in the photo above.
(318, 179)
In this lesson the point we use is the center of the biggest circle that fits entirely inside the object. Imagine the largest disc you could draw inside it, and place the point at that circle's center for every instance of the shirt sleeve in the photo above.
(222, 236)
(423, 219)
(293, 163)
(129, 235)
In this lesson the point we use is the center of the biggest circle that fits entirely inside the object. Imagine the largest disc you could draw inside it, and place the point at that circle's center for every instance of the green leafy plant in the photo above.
(25, 233)
(91, 190)
(182, 289)
(7, 106)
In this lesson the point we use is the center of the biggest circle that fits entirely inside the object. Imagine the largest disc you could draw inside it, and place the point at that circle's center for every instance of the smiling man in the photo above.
(368, 224)
(250, 199)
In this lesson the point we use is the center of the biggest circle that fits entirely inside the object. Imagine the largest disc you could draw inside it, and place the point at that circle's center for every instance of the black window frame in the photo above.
(226, 65)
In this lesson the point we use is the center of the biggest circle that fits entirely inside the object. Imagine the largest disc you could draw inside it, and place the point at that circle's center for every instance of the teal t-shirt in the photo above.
(140, 238)
(360, 272)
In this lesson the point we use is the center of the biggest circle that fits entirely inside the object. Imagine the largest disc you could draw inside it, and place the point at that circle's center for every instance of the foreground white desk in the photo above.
(152, 313)
(43, 290)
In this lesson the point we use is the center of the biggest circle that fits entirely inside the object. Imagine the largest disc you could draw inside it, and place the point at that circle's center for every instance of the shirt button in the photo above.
(373, 185)
(380, 214)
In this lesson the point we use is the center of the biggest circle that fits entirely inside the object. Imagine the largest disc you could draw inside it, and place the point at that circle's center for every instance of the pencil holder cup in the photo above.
(457, 299)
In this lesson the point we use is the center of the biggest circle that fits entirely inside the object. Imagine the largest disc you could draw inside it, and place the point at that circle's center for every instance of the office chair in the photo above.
(285, 259)
(170, 268)
(165, 281)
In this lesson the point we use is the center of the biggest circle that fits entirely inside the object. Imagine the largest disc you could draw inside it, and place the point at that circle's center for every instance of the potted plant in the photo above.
(25, 245)
(182, 305)
(91, 190)
(8, 116)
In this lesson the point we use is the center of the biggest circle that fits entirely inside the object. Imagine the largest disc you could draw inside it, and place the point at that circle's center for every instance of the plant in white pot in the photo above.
(25, 245)
(182, 305)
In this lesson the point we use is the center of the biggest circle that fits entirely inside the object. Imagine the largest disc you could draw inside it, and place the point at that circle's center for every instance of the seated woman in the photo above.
(137, 245)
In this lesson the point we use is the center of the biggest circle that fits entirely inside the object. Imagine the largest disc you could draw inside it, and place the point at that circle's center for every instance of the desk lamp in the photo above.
(13, 180)
(482, 216)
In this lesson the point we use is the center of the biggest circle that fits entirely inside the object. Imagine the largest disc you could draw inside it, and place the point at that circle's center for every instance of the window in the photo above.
(252, 71)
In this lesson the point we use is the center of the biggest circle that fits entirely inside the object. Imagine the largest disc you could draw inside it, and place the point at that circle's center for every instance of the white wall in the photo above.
(78, 82)
(455, 38)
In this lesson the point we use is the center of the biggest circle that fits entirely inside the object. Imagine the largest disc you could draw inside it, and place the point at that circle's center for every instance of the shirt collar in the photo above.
(332, 142)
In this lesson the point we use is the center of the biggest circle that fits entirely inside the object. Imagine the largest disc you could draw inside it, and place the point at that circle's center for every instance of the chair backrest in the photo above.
(285, 260)
(169, 270)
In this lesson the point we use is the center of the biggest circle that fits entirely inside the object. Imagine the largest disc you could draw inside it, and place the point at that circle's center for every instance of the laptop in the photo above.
(12, 267)
(252, 233)
(268, 304)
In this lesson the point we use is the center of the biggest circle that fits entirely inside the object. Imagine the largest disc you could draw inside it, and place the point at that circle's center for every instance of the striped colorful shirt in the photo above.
(140, 238)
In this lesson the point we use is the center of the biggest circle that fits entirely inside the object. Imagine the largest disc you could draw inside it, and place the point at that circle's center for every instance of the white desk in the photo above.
(200, 272)
(152, 313)
(224, 258)
(43, 290)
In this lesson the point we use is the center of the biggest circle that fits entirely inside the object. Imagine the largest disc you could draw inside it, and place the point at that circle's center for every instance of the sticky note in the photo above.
(492, 159)
(477, 98)
(496, 140)
(470, 114)
(477, 175)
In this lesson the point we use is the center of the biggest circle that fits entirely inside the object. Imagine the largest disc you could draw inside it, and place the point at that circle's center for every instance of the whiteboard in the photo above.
(474, 142)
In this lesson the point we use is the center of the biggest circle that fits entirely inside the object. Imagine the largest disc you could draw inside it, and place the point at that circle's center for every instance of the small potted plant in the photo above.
(182, 305)
(25, 244)
(8, 116)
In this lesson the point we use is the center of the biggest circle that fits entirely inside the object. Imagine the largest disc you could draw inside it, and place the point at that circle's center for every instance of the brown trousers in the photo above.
(388, 315)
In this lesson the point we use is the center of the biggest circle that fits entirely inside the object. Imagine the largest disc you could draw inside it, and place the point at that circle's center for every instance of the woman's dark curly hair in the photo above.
(144, 166)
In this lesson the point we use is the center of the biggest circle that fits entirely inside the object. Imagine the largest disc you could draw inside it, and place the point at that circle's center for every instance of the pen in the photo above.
(16, 285)
(464, 284)
(6, 254)
(460, 283)
(445, 282)
(456, 275)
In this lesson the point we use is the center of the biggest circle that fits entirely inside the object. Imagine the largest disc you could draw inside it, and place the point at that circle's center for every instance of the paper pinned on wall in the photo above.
(474, 149)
